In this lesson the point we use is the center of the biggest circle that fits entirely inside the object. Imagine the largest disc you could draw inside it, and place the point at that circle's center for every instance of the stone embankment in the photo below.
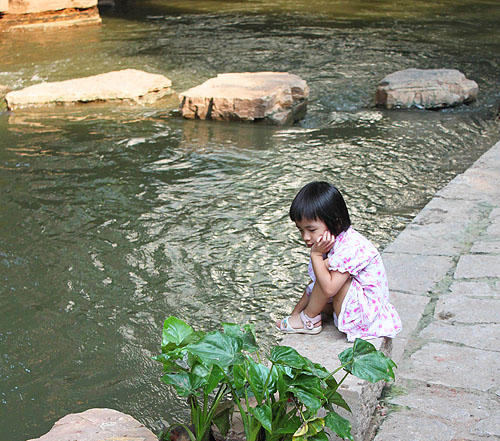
(425, 89)
(128, 85)
(274, 97)
(30, 14)
(444, 271)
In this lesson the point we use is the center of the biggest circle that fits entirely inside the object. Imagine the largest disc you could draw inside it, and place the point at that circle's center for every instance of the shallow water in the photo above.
(114, 217)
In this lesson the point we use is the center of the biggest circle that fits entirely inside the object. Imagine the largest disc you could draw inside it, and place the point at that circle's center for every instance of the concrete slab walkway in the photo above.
(444, 273)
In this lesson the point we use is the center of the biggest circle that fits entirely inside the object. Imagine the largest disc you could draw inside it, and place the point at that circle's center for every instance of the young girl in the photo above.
(347, 273)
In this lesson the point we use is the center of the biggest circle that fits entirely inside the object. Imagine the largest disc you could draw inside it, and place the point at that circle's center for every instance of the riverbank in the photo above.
(444, 270)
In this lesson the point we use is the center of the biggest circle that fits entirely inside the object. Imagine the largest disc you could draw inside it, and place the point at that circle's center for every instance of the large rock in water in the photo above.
(429, 89)
(98, 425)
(274, 97)
(29, 14)
(127, 85)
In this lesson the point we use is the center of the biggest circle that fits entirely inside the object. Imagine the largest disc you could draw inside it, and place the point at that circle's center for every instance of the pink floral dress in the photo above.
(366, 312)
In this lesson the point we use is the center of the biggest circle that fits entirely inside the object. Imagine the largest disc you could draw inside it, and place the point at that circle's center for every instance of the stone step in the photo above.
(128, 85)
(273, 97)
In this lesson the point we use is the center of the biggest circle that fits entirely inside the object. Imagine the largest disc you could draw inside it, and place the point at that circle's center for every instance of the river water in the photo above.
(114, 217)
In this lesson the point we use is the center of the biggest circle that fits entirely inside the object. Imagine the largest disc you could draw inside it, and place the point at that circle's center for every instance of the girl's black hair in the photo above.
(321, 201)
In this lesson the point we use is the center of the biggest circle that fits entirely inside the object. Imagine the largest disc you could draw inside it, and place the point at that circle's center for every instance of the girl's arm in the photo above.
(330, 281)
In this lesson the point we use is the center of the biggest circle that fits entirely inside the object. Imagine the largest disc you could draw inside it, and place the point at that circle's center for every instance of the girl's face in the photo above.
(311, 230)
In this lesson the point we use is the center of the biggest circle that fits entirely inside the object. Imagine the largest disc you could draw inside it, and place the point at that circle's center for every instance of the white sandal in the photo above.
(307, 321)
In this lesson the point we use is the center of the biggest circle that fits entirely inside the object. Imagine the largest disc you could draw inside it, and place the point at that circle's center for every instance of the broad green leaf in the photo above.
(222, 418)
(263, 414)
(316, 369)
(312, 384)
(215, 379)
(217, 348)
(175, 331)
(213, 376)
(338, 400)
(169, 364)
(312, 429)
(281, 383)
(260, 379)
(339, 425)
(315, 425)
(367, 363)
(184, 383)
(320, 436)
(239, 377)
(307, 398)
(287, 356)
(247, 335)
(289, 423)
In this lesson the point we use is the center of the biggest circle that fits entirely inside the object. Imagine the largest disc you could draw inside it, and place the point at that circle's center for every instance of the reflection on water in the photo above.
(114, 217)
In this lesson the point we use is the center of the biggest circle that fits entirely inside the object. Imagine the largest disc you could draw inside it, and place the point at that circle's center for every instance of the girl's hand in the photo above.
(323, 243)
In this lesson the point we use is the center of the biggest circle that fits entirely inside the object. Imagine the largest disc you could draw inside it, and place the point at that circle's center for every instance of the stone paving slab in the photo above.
(410, 308)
(475, 289)
(407, 425)
(474, 185)
(415, 274)
(457, 405)
(467, 310)
(440, 363)
(483, 336)
(438, 228)
(486, 246)
(475, 266)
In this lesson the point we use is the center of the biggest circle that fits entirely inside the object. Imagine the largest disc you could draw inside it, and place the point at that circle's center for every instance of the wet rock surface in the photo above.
(98, 425)
(129, 85)
(273, 97)
(427, 89)
(29, 14)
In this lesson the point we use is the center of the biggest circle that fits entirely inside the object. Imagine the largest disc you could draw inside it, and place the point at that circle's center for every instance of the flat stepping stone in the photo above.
(273, 97)
(98, 425)
(426, 89)
(128, 85)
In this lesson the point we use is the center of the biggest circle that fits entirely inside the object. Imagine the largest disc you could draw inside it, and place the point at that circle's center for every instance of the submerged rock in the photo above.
(127, 85)
(274, 97)
(428, 89)
(98, 425)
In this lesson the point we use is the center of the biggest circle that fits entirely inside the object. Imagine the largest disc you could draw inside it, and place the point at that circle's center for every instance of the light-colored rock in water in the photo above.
(28, 14)
(429, 89)
(127, 85)
(98, 425)
(275, 97)
(32, 6)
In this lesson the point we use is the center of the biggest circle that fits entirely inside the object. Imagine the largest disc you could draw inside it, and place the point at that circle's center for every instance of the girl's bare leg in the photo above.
(318, 303)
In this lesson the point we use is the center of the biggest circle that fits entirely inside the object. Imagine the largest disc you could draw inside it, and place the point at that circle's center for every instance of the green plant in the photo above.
(277, 401)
